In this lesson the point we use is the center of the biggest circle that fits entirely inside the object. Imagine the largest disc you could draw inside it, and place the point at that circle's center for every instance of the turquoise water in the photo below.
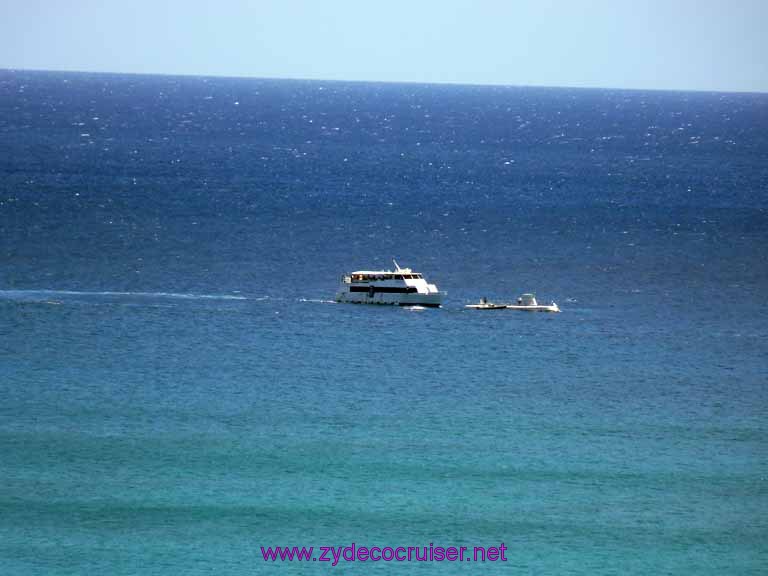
(178, 389)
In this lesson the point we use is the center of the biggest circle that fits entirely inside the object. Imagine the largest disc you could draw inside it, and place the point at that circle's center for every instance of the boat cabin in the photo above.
(356, 277)
(527, 300)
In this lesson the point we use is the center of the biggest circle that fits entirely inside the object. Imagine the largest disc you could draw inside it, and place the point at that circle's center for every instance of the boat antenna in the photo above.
(397, 266)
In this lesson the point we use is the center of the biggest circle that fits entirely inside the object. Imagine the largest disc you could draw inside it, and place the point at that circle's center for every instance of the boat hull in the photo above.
(432, 300)
(536, 308)
(552, 308)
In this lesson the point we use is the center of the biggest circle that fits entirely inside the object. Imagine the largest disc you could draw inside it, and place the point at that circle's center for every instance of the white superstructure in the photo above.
(399, 287)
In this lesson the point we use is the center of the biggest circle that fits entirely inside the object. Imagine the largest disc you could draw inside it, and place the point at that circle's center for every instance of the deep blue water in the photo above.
(177, 389)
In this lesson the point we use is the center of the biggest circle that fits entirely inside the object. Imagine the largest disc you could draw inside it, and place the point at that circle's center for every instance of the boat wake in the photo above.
(45, 295)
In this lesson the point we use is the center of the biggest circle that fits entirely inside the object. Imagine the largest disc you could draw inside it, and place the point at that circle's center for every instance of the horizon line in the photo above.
(359, 81)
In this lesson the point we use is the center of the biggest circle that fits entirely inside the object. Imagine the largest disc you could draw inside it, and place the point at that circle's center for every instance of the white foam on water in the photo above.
(25, 294)
(317, 300)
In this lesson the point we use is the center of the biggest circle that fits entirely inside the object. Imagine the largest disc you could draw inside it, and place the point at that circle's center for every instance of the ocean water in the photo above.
(177, 388)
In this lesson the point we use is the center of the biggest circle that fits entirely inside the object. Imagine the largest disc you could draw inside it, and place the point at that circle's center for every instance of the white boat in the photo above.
(398, 287)
(525, 302)
(528, 302)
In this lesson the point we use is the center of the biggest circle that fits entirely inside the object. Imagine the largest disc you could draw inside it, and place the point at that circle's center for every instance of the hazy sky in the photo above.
(664, 44)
